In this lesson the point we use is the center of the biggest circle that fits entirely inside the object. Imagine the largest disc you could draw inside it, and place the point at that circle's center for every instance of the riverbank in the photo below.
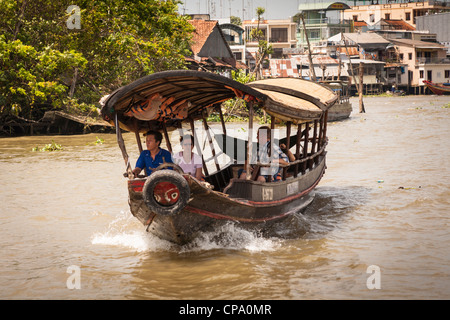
(53, 123)
(61, 123)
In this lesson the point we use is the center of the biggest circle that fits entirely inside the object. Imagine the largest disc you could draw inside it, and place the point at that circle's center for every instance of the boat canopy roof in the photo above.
(170, 97)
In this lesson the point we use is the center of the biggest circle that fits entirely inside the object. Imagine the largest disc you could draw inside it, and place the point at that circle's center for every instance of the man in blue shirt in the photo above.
(154, 155)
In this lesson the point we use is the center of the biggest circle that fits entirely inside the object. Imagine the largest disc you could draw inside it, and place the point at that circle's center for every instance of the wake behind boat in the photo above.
(176, 206)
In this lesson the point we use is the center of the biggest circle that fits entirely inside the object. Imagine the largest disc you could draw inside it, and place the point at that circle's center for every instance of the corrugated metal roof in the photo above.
(289, 68)
(418, 44)
(365, 38)
(399, 24)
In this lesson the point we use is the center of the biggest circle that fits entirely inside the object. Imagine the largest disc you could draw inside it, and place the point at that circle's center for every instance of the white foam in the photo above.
(233, 237)
(124, 232)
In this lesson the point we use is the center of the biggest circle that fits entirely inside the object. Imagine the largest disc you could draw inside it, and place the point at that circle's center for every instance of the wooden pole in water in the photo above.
(361, 76)
(339, 67)
(358, 88)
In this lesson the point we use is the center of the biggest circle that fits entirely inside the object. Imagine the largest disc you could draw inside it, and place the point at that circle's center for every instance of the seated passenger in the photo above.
(154, 155)
(262, 156)
(189, 161)
(287, 152)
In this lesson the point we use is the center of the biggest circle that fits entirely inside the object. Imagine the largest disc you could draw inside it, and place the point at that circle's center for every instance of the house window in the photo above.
(408, 16)
(410, 56)
(387, 16)
(372, 18)
(355, 18)
(447, 73)
(248, 33)
(279, 35)
(421, 74)
(401, 56)
(314, 34)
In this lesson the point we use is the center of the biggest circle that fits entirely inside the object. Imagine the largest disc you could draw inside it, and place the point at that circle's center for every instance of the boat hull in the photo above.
(208, 210)
(339, 111)
(438, 89)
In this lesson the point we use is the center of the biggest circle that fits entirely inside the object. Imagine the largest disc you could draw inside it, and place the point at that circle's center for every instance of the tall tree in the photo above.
(264, 49)
(42, 60)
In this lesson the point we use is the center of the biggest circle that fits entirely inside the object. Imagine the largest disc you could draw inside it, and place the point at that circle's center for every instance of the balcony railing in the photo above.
(432, 60)
(327, 20)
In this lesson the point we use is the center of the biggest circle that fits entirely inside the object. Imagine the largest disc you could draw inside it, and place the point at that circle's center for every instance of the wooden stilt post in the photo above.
(361, 84)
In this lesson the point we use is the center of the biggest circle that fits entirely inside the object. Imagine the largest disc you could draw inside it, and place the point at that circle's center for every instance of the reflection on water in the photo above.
(383, 201)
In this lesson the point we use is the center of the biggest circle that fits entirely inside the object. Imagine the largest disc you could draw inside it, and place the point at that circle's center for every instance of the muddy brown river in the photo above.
(377, 229)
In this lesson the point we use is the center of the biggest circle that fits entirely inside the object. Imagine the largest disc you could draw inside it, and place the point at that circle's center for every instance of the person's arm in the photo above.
(140, 164)
(287, 152)
(198, 174)
(136, 171)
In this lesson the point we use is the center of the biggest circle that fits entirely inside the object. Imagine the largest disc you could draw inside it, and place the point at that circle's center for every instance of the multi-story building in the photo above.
(281, 34)
(423, 60)
(438, 24)
(407, 11)
(322, 20)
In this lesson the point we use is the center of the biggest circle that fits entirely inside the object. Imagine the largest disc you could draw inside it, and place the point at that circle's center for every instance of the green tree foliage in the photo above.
(264, 49)
(237, 107)
(42, 61)
(236, 20)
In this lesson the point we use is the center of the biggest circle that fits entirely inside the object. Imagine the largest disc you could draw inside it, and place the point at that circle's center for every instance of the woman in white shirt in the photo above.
(190, 162)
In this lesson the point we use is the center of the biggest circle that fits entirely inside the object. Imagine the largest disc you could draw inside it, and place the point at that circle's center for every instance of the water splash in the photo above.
(231, 236)
(125, 232)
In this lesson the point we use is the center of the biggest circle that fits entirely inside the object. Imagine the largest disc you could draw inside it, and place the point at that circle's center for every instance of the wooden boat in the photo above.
(342, 108)
(177, 207)
(438, 88)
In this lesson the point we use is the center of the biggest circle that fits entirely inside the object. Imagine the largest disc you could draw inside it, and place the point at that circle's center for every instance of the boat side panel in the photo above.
(266, 193)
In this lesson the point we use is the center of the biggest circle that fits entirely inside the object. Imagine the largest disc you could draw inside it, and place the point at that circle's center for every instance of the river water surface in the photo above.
(377, 229)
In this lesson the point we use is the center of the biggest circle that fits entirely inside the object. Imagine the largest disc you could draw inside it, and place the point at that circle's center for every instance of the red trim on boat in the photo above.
(221, 216)
(224, 217)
